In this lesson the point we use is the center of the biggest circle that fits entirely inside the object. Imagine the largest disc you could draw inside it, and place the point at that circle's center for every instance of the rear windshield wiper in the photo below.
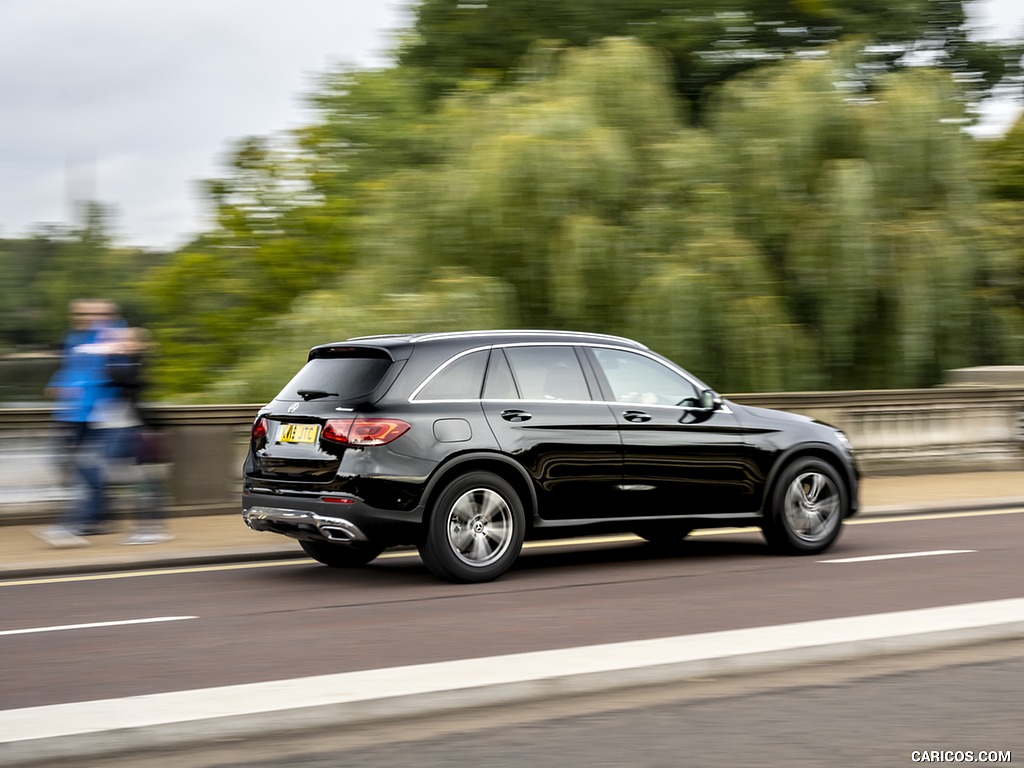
(314, 394)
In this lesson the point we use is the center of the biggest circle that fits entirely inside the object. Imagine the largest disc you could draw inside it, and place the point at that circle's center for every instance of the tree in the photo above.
(446, 300)
(862, 205)
(44, 272)
(275, 240)
(709, 41)
(804, 238)
(998, 237)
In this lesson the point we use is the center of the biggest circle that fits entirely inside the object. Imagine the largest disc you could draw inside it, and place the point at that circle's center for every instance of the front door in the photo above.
(680, 458)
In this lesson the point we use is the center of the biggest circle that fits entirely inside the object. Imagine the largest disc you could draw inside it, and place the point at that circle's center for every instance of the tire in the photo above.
(341, 555)
(808, 505)
(475, 529)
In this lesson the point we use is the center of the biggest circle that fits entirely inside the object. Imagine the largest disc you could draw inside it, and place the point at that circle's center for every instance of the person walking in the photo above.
(77, 386)
(133, 454)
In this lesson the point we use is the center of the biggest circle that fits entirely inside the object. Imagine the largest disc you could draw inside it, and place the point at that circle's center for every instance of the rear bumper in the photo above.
(303, 525)
(339, 520)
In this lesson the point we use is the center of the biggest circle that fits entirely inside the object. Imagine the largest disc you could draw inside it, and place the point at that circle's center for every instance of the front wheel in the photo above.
(475, 530)
(341, 555)
(807, 508)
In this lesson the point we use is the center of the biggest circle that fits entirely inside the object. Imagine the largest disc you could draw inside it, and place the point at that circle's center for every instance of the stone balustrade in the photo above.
(945, 429)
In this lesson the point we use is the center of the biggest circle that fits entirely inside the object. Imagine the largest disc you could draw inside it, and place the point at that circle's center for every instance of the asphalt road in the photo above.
(266, 621)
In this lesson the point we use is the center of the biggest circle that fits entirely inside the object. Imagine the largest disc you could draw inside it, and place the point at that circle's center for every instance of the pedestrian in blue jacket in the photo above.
(81, 383)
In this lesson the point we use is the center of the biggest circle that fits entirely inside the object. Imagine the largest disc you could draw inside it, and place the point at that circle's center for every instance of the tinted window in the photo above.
(635, 378)
(499, 384)
(461, 379)
(548, 373)
(346, 378)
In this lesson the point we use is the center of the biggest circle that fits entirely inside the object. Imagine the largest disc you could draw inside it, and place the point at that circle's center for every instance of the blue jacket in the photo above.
(82, 379)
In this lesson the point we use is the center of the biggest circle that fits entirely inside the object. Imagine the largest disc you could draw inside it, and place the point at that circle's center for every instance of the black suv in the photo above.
(464, 444)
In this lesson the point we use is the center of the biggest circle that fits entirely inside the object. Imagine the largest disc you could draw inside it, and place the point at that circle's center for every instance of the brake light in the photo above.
(259, 428)
(364, 431)
(336, 430)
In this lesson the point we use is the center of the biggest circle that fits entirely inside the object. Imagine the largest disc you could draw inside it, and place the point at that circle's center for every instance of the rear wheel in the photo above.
(341, 555)
(475, 530)
(808, 505)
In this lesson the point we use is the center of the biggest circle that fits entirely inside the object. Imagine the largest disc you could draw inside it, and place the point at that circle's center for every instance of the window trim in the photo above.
(413, 398)
(574, 349)
(592, 373)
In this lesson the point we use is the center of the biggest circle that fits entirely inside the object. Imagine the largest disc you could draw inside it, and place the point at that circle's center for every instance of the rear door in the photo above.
(543, 413)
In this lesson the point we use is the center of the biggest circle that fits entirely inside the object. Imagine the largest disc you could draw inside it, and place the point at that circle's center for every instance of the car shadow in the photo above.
(638, 551)
(403, 567)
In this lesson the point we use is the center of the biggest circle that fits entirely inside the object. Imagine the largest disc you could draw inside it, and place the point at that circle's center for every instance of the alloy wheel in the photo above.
(812, 507)
(480, 527)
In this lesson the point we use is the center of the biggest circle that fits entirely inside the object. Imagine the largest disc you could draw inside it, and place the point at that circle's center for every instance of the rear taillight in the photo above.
(364, 431)
(259, 429)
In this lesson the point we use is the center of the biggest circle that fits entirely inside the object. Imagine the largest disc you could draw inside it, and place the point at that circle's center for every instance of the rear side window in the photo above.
(548, 373)
(499, 384)
(342, 377)
(461, 379)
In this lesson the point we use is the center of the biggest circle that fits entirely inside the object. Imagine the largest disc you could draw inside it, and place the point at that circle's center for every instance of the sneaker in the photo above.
(59, 537)
(149, 537)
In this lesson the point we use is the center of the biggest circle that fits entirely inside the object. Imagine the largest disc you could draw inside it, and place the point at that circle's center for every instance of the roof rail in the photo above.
(525, 332)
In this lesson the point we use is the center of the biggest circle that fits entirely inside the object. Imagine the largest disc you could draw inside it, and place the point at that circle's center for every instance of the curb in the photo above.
(179, 560)
(969, 505)
(290, 551)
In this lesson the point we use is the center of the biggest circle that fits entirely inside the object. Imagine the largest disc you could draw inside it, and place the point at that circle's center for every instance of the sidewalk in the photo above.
(225, 538)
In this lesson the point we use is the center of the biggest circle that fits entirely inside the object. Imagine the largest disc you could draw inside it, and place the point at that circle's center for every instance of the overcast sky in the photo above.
(131, 102)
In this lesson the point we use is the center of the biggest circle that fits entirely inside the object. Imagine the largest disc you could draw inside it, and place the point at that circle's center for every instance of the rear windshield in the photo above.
(348, 377)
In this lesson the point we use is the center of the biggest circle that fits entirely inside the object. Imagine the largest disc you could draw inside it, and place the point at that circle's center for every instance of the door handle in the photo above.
(636, 416)
(516, 415)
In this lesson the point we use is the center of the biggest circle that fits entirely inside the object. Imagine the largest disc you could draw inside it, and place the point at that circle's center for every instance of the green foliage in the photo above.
(276, 240)
(708, 41)
(714, 307)
(371, 122)
(997, 236)
(41, 274)
(538, 189)
(860, 204)
(1004, 165)
(812, 236)
(448, 300)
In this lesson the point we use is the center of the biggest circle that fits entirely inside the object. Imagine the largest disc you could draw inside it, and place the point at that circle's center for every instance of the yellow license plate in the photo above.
(298, 433)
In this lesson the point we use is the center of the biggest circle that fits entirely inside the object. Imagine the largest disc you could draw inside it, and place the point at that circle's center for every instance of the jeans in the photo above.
(128, 462)
(85, 449)
(103, 457)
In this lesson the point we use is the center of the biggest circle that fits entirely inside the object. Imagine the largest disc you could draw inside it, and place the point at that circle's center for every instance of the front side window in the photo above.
(548, 373)
(460, 379)
(636, 378)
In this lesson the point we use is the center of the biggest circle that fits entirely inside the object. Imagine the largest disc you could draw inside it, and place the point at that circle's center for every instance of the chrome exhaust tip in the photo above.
(333, 533)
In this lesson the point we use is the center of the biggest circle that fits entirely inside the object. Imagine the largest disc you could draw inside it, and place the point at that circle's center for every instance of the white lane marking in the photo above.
(869, 558)
(349, 697)
(93, 625)
(300, 560)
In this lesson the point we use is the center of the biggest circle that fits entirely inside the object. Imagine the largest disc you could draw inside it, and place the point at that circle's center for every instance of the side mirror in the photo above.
(709, 400)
